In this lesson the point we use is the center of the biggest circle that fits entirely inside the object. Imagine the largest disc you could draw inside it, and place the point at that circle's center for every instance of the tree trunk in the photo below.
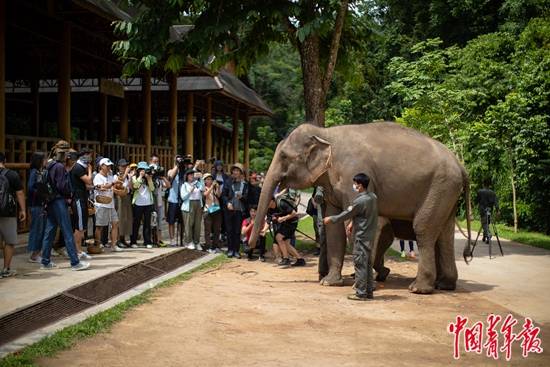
(514, 201)
(312, 79)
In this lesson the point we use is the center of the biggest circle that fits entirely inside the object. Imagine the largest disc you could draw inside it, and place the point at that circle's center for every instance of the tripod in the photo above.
(487, 234)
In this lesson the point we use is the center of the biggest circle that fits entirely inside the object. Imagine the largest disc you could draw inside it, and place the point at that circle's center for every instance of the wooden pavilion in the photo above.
(59, 79)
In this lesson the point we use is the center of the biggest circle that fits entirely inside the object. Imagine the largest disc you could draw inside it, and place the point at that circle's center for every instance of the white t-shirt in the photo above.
(100, 180)
(144, 196)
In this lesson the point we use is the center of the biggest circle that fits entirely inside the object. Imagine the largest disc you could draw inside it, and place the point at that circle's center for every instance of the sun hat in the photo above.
(142, 165)
(122, 162)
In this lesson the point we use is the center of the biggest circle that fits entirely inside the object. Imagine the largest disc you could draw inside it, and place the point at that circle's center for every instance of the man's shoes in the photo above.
(198, 247)
(84, 256)
(162, 244)
(122, 244)
(51, 265)
(36, 260)
(117, 249)
(299, 262)
(149, 246)
(262, 259)
(237, 254)
(82, 265)
(355, 297)
(284, 262)
(134, 245)
(190, 246)
(230, 254)
(6, 273)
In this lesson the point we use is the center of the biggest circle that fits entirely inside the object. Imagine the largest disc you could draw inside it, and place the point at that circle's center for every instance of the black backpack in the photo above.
(8, 207)
(44, 191)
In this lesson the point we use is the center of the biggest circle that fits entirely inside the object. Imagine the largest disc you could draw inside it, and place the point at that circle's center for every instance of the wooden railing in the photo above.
(19, 150)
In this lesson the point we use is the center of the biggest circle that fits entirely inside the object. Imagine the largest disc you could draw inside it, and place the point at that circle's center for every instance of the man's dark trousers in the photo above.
(363, 268)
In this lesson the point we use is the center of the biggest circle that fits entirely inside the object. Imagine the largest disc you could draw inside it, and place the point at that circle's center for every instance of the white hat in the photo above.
(105, 161)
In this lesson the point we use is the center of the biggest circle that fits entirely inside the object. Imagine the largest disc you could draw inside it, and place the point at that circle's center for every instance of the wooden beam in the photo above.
(124, 120)
(235, 137)
(2, 76)
(246, 142)
(214, 143)
(64, 85)
(173, 116)
(189, 125)
(146, 90)
(35, 95)
(209, 154)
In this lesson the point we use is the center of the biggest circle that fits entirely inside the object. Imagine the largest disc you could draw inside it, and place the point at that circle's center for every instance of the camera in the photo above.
(155, 171)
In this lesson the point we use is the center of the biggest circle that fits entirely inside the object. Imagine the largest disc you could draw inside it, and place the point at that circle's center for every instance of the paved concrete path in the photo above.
(519, 280)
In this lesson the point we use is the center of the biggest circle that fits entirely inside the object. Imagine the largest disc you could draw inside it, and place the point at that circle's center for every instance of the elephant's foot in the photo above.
(421, 288)
(445, 285)
(321, 276)
(382, 274)
(332, 280)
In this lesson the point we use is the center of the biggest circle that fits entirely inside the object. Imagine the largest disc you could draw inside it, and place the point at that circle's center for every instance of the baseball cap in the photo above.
(106, 161)
(122, 162)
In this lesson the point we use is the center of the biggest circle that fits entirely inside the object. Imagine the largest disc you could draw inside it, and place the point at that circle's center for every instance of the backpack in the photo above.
(44, 191)
(8, 207)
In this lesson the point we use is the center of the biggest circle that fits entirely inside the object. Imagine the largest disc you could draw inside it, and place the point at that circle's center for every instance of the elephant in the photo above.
(418, 182)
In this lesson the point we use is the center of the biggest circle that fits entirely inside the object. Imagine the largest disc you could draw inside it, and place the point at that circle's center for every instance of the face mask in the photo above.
(355, 188)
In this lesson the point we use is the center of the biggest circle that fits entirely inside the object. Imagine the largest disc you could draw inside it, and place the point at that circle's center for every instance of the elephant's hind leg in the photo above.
(447, 273)
(383, 240)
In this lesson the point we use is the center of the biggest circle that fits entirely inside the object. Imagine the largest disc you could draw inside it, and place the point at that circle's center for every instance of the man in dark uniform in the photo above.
(486, 201)
(364, 215)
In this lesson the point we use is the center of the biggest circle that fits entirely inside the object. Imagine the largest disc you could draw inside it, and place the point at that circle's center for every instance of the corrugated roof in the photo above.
(107, 7)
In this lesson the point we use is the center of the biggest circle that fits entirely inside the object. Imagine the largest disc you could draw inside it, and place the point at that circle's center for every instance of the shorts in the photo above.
(80, 214)
(105, 216)
(8, 230)
(174, 213)
(287, 230)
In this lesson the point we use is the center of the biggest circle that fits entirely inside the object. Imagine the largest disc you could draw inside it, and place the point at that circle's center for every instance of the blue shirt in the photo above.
(174, 193)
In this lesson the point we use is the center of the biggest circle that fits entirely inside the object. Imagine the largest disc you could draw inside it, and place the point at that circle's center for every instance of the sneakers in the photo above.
(355, 297)
(149, 246)
(134, 245)
(116, 249)
(83, 265)
(237, 255)
(284, 262)
(403, 255)
(36, 260)
(211, 251)
(173, 243)
(230, 254)
(122, 244)
(162, 244)
(51, 265)
(262, 259)
(299, 262)
(198, 247)
(84, 256)
(191, 246)
(6, 273)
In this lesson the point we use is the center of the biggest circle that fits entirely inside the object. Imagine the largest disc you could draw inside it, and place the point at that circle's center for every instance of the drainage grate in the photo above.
(75, 300)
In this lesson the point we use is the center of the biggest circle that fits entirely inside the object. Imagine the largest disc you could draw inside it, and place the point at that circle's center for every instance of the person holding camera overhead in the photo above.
(142, 202)
(191, 195)
(161, 185)
(176, 176)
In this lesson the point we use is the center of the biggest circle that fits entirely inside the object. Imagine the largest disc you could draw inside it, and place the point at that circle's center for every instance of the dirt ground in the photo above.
(254, 314)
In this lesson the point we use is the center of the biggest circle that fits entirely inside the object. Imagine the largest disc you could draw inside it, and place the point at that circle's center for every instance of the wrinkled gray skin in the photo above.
(418, 182)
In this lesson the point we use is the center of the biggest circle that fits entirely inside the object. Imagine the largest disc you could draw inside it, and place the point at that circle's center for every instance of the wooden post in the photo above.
(214, 143)
(246, 143)
(35, 95)
(64, 85)
(2, 76)
(235, 137)
(146, 90)
(124, 120)
(189, 125)
(228, 152)
(209, 154)
(103, 116)
(174, 114)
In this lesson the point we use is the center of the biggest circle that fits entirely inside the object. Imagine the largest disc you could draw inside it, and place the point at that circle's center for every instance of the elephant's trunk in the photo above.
(270, 183)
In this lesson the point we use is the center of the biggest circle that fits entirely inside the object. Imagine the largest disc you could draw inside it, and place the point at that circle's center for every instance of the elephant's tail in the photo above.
(467, 252)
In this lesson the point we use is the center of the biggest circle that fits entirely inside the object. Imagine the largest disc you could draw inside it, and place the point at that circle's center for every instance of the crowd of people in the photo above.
(206, 209)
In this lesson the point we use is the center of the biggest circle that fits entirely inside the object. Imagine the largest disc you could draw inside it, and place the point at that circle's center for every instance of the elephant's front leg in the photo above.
(335, 250)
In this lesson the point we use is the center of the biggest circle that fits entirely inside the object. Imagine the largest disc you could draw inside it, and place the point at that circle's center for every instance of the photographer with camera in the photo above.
(161, 185)
(212, 214)
(192, 203)
(486, 201)
(143, 204)
(176, 176)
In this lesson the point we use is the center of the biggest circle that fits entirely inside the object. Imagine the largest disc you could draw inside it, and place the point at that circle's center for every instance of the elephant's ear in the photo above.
(319, 157)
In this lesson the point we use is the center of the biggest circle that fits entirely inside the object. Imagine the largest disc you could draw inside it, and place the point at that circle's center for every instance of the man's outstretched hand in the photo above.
(326, 220)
